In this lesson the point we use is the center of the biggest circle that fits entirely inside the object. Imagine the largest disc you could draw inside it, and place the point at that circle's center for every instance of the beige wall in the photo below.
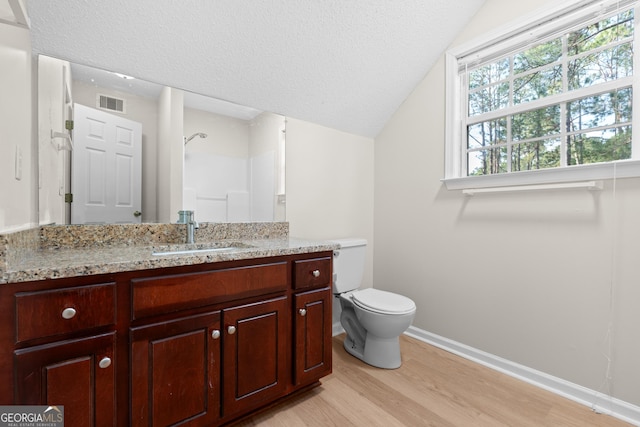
(527, 277)
(226, 136)
(329, 185)
(18, 198)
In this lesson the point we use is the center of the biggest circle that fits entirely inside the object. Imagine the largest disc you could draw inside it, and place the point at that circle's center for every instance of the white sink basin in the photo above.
(197, 248)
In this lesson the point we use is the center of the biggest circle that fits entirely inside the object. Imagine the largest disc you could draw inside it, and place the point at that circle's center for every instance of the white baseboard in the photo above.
(598, 402)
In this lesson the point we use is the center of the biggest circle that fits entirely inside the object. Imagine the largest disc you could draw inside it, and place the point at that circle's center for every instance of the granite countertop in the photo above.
(57, 263)
(50, 261)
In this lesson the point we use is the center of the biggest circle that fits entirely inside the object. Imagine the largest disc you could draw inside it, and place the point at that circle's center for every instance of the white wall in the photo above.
(53, 76)
(265, 136)
(527, 277)
(226, 136)
(329, 185)
(231, 174)
(216, 167)
(170, 154)
(18, 198)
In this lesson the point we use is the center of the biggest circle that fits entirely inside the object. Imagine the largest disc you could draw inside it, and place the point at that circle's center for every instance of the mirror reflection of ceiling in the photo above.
(108, 79)
(347, 65)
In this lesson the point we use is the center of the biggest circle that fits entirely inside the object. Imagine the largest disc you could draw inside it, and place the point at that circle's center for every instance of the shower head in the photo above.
(200, 134)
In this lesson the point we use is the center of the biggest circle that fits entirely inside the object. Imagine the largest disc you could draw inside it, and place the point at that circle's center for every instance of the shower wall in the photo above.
(229, 176)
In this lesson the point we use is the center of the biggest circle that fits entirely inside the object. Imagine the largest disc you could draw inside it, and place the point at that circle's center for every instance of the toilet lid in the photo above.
(383, 302)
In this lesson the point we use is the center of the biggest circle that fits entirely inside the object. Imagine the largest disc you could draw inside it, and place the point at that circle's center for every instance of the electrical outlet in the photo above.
(18, 163)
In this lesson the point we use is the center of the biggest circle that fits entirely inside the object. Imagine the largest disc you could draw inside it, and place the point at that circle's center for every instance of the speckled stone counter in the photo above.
(69, 251)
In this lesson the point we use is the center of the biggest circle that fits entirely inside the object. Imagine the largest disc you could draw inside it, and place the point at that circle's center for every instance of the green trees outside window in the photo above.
(565, 101)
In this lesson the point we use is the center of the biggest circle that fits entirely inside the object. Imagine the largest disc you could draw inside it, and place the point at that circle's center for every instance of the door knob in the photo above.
(137, 213)
(231, 330)
(302, 311)
(316, 273)
(215, 334)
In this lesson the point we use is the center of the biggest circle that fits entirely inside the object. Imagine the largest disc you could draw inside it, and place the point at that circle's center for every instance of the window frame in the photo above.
(508, 39)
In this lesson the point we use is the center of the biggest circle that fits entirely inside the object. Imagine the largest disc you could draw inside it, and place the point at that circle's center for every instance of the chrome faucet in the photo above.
(186, 217)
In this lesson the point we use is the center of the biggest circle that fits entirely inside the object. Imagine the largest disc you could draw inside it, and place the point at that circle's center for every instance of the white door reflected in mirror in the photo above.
(107, 168)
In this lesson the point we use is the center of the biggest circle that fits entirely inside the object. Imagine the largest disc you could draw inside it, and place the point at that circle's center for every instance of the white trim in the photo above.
(551, 100)
(21, 19)
(528, 27)
(635, 113)
(337, 329)
(526, 30)
(596, 171)
(453, 121)
(588, 185)
(598, 402)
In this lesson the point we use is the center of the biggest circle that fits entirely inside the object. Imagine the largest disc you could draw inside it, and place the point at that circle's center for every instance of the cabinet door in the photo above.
(175, 372)
(77, 374)
(312, 329)
(255, 354)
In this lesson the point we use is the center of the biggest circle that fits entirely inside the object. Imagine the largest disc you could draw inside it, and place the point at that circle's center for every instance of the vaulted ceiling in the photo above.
(345, 64)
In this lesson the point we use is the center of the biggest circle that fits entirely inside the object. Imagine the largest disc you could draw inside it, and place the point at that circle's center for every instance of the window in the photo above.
(549, 100)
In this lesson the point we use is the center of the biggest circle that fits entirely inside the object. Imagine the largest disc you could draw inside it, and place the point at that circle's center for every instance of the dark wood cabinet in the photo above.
(78, 374)
(58, 311)
(256, 354)
(312, 332)
(198, 345)
(312, 319)
(175, 368)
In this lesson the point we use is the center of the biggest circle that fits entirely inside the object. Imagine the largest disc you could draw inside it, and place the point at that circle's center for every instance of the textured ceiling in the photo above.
(343, 64)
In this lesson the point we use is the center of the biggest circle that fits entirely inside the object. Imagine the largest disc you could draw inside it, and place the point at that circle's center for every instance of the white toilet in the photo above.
(373, 319)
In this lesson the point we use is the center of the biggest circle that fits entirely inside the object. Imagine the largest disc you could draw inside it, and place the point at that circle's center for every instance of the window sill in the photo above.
(619, 169)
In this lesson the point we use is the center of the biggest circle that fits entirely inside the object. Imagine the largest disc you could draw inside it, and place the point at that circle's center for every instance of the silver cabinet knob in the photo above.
(231, 330)
(302, 311)
(68, 313)
(105, 362)
(316, 273)
(215, 334)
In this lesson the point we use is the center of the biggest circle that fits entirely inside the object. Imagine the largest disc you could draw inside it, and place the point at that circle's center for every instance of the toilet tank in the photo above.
(348, 264)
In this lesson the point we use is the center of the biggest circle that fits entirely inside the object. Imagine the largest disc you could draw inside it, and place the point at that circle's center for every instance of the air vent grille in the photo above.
(112, 104)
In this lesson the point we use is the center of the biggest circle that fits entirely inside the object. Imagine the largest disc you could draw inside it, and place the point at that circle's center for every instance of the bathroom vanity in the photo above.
(200, 338)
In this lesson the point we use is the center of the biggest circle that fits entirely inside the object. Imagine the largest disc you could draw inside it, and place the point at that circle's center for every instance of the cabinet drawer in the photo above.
(312, 272)
(158, 295)
(58, 311)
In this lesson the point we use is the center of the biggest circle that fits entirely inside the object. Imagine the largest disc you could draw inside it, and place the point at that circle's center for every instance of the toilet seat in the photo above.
(382, 302)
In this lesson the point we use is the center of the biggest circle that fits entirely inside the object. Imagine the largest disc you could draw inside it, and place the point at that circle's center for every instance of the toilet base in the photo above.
(379, 352)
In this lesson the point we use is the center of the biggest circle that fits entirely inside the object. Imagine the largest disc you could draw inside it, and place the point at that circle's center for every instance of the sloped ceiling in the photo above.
(345, 64)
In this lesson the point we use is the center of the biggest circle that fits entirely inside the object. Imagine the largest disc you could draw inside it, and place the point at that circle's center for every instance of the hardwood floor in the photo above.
(431, 388)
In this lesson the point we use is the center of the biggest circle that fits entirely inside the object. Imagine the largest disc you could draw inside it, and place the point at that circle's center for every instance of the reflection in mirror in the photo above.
(233, 174)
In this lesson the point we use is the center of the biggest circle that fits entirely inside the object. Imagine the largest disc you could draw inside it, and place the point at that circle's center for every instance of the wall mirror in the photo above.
(116, 149)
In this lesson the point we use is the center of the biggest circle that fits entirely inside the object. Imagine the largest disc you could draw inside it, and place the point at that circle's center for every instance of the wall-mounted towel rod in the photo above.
(588, 185)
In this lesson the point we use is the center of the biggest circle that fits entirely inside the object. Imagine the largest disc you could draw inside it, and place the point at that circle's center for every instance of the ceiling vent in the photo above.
(110, 103)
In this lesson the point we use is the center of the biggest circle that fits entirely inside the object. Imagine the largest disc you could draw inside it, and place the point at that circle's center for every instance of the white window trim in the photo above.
(522, 32)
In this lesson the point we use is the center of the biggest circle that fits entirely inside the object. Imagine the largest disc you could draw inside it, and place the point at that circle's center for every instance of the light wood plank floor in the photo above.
(431, 388)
